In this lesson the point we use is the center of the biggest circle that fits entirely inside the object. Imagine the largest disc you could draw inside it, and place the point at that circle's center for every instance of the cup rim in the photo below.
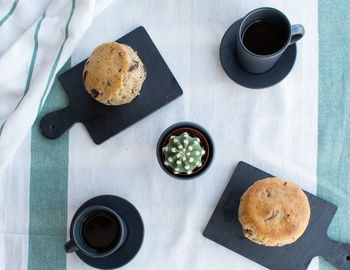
(240, 30)
(84, 248)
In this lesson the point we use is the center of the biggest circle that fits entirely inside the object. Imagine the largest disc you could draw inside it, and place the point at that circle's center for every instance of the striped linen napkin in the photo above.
(36, 40)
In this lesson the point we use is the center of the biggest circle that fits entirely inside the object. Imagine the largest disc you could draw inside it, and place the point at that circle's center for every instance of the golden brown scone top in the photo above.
(274, 212)
(114, 74)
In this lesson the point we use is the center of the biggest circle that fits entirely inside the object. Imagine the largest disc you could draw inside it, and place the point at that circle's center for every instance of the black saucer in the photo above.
(232, 68)
(135, 232)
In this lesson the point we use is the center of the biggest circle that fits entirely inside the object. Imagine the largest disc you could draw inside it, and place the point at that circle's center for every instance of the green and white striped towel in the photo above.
(37, 38)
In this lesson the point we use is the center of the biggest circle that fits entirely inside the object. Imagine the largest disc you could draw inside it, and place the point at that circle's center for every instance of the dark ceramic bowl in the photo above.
(194, 130)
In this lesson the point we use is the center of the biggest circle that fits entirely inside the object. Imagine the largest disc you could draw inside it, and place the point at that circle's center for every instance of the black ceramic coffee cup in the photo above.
(263, 35)
(97, 231)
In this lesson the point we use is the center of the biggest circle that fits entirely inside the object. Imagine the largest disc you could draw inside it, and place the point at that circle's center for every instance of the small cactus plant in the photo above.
(183, 153)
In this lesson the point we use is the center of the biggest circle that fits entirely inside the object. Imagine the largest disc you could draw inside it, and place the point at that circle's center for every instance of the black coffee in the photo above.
(265, 37)
(101, 231)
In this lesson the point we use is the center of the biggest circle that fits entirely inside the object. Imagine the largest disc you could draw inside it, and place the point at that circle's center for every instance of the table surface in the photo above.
(281, 129)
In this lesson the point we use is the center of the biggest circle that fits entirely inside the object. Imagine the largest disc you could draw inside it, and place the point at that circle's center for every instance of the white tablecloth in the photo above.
(274, 129)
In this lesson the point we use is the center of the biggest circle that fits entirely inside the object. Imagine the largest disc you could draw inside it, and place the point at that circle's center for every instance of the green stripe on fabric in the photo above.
(32, 62)
(14, 5)
(52, 72)
(333, 170)
(31, 67)
(48, 190)
(2, 126)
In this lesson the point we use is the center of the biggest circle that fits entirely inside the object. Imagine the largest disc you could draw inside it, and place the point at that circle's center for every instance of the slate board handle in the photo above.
(54, 124)
(336, 253)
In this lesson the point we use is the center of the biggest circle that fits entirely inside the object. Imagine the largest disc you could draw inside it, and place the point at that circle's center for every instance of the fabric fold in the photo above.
(29, 66)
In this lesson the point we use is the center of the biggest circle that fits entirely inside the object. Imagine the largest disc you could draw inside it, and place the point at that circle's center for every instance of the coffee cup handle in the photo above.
(297, 31)
(70, 247)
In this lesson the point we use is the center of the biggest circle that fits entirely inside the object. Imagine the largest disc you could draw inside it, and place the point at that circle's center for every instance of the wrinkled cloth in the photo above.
(37, 38)
(274, 129)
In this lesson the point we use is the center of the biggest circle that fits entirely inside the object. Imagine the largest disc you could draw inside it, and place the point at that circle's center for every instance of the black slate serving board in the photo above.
(102, 121)
(224, 228)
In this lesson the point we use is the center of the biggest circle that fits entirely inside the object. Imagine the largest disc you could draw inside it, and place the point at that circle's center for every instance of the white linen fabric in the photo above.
(37, 37)
(274, 129)
(36, 40)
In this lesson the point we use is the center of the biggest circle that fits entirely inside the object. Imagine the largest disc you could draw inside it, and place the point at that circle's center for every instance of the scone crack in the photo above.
(85, 73)
(273, 215)
(248, 231)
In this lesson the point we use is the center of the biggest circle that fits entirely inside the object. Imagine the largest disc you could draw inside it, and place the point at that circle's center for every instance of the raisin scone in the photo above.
(274, 212)
(114, 74)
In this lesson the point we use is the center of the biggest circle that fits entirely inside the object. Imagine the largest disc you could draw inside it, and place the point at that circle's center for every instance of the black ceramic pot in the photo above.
(192, 129)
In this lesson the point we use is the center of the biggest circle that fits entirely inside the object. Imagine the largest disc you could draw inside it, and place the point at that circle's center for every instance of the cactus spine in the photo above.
(183, 153)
